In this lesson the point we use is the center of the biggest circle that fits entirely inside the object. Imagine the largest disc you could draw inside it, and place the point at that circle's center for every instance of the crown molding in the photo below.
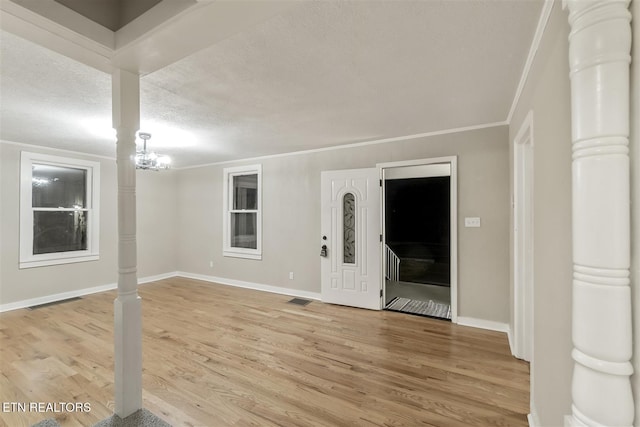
(354, 145)
(535, 44)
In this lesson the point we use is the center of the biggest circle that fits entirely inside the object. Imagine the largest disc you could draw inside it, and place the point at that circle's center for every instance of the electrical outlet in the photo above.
(210, 264)
(291, 275)
(472, 222)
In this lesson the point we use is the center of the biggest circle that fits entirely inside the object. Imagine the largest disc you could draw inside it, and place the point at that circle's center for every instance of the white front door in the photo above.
(350, 267)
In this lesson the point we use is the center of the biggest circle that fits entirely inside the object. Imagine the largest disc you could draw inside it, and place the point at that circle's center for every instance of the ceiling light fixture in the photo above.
(149, 160)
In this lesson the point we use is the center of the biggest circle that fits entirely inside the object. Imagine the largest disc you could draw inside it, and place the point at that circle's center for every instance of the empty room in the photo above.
(319, 213)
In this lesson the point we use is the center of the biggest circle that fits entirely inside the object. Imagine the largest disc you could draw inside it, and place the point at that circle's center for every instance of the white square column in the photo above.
(128, 305)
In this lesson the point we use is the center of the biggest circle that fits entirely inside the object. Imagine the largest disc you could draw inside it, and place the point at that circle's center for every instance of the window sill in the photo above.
(48, 262)
(241, 255)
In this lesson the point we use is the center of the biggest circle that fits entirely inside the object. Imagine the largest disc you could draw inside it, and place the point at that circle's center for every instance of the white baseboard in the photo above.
(56, 297)
(512, 345)
(157, 277)
(484, 324)
(221, 280)
(77, 293)
(251, 285)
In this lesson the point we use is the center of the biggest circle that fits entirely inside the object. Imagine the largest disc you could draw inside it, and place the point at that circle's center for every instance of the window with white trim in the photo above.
(59, 210)
(242, 217)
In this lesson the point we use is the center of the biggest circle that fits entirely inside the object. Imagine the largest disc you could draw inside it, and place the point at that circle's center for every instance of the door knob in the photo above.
(323, 251)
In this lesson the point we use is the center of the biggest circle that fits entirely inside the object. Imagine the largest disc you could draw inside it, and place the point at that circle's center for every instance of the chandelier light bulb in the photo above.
(149, 160)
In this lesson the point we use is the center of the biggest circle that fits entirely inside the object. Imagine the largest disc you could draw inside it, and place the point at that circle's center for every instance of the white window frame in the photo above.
(227, 204)
(92, 253)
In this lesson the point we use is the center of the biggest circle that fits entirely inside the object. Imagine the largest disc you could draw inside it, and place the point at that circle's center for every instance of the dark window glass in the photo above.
(245, 192)
(55, 231)
(58, 187)
(243, 230)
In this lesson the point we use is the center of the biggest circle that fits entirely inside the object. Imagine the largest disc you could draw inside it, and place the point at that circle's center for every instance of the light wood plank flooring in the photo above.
(221, 356)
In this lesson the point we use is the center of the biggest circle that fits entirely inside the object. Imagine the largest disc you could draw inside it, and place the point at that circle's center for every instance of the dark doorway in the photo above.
(417, 215)
(418, 238)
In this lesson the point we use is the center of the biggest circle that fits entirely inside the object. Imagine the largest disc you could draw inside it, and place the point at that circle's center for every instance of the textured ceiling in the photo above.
(48, 99)
(322, 74)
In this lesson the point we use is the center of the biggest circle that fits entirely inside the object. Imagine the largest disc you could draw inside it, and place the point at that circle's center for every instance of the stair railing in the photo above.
(392, 270)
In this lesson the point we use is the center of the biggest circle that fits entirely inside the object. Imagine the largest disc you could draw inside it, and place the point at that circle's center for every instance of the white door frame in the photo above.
(523, 240)
(453, 161)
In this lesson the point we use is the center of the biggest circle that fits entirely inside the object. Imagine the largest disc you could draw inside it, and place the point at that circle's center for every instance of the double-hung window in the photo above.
(242, 216)
(59, 210)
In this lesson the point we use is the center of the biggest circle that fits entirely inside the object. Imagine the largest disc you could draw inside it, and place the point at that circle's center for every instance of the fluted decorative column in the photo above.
(599, 54)
(127, 306)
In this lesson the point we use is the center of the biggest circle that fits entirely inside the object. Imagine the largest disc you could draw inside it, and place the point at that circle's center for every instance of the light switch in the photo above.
(472, 221)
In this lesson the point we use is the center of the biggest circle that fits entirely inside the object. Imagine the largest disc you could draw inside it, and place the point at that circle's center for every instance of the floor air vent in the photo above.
(299, 301)
(62, 301)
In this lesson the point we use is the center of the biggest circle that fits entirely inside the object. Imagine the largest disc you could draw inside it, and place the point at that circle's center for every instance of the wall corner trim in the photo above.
(511, 343)
(485, 324)
(251, 285)
(533, 420)
(568, 421)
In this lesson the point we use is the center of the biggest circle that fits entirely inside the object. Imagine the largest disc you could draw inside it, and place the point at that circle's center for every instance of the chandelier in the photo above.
(149, 160)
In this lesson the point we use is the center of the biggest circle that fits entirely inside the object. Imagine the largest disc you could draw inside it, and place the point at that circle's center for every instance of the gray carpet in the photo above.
(140, 418)
(51, 422)
(425, 308)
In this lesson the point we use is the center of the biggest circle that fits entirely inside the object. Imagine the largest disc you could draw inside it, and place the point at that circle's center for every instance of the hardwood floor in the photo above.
(221, 356)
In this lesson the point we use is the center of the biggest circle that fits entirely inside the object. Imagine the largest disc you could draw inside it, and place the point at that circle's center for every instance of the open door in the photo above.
(350, 241)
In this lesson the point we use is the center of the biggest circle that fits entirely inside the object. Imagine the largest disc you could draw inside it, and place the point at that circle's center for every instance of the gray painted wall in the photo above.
(186, 206)
(156, 251)
(157, 215)
(547, 93)
(291, 216)
(16, 284)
